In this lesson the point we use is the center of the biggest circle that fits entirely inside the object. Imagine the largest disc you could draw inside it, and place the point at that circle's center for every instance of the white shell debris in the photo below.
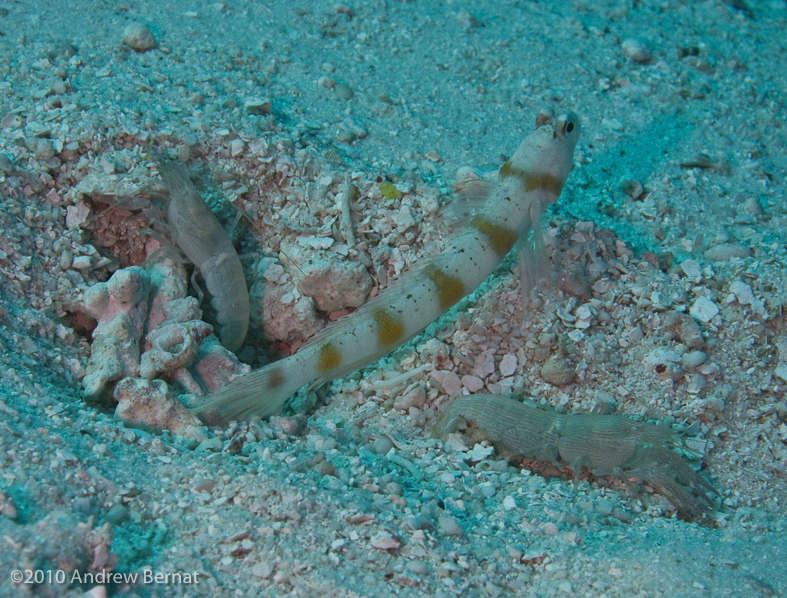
(742, 292)
(508, 365)
(692, 270)
(479, 453)
(76, 215)
(383, 541)
(314, 242)
(704, 309)
(665, 364)
(584, 314)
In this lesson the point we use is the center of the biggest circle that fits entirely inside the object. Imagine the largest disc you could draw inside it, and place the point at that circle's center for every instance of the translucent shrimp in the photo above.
(201, 237)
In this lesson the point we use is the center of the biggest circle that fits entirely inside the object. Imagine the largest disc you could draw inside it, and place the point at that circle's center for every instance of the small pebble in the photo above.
(258, 106)
(416, 397)
(417, 567)
(557, 370)
(138, 37)
(604, 507)
(76, 215)
(605, 401)
(752, 206)
(448, 381)
(472, 383)
(550, 529)
(665, 364)
(96, 592)
(117, 514)
(343, 92)
(210, 444)
(636, 50)
(693, 359)
(479, 452)
(333, 283)
(294, 425)
(685, 329)
(66, 259)
(394, 488)
(727, 251)
(565, 587)
(696, 383)
(448, 478)
(281, 578)
(632, 188)
(487, 489)
(665, 260)
(82, 262)
(382, 445)
(262, 570)
(449, 526)
(44, 150)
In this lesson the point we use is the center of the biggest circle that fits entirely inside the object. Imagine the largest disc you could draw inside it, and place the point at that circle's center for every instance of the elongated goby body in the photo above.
(531, 180)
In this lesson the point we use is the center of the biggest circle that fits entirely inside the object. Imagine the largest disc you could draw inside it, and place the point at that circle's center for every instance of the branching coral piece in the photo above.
(174, 343)
(120, 306)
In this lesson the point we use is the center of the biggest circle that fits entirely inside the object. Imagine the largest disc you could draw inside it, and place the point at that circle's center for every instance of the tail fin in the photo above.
(262, 393)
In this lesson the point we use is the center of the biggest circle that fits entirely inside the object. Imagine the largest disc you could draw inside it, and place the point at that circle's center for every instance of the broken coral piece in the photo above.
(284, 314)
(149, 404)
(183, 346)
(120, 308)
(213, 367)
(175, 342)
(167, 283)
(148, 328)
(333, 282)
